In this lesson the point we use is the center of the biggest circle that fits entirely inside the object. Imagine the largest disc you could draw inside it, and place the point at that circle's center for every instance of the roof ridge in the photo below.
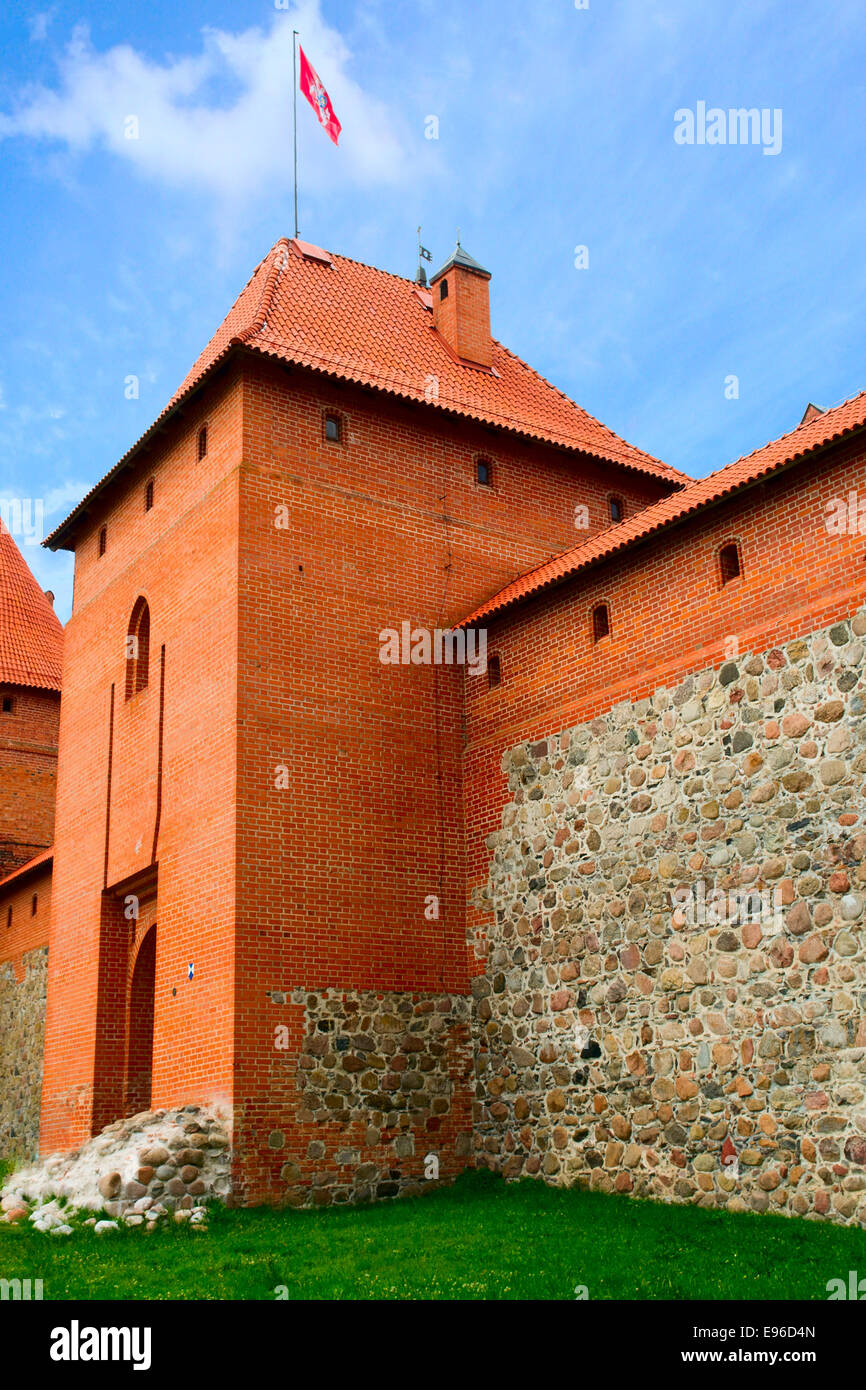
(574, 550)
(238, 297)
(804, 424)
(505, 421)
(677, 506)
(651, 458)
(365, 325)
(21, 870)
(365, 265)
(260, 317)
(660, 463)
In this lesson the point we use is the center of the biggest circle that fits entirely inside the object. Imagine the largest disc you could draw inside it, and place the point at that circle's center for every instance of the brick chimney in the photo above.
(461, 307)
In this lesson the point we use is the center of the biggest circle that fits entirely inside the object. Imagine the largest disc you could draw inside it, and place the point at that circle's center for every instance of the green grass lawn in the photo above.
(480, 1239)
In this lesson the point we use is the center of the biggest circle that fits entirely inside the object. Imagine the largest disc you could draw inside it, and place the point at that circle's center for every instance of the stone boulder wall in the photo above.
(22, 1035)
(156, 1162)
(384, 1083)
(674, 1001)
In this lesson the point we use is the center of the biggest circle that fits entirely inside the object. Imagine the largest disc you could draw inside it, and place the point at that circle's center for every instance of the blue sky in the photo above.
(555, 130)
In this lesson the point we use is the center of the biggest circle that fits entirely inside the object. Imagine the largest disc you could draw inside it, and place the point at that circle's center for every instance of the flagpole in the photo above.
(295, 118)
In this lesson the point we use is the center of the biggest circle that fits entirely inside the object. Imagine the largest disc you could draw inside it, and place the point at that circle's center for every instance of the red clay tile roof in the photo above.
(367, 326)
(37, 862)
(309, 308)
(31, 634)
(812, 433)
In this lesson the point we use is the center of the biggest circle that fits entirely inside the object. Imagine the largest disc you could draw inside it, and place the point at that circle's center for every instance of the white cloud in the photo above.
(64, 497)
(219, 121)
(38, 25)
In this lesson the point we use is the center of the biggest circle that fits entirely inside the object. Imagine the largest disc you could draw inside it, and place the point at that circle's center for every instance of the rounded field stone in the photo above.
(153, 1157)
(110, 1185)
(193, 1156)
(855, 1149)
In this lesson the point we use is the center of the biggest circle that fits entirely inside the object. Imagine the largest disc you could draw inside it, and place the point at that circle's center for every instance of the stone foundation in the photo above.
(22, 1036)
(384, 1084)
(674, 1001)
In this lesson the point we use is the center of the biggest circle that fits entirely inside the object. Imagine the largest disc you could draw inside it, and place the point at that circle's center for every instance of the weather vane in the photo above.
(423, 255)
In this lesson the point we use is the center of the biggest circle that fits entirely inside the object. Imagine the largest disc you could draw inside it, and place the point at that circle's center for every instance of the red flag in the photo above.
(318, 98)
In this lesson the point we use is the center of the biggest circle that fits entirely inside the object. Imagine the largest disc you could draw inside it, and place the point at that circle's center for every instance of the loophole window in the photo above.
(600, 622)
(138, 648)
(729, 563)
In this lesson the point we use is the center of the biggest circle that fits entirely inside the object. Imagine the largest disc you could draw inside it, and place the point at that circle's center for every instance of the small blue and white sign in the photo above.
(190, 970)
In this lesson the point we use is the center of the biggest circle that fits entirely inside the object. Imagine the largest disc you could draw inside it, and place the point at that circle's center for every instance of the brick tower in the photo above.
(259, 878)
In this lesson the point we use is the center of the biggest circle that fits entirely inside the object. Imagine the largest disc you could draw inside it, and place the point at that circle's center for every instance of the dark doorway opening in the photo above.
(123, 1057)
(139, 1071)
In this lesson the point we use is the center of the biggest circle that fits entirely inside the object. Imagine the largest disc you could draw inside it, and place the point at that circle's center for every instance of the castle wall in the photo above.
(338, 867)
(383, 1081)
(22, 1033)
(149, 781)
(636, 1011)
(679, 954)
(669, 616)
(25, 913)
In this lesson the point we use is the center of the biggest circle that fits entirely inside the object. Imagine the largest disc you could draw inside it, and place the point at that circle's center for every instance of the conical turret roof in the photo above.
(460, 257)
(31, 634)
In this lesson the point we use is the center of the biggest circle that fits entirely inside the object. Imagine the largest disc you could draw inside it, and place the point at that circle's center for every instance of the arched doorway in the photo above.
(139, 1067)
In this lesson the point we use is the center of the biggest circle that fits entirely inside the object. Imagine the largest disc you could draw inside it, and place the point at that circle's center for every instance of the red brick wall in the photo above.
(270, 643)
(182, 556)
(669, 617)
(22, 929)
(28, 772)
(334, 871)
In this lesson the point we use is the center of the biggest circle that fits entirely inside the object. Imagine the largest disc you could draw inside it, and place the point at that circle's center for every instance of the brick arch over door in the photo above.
(139, 1067)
